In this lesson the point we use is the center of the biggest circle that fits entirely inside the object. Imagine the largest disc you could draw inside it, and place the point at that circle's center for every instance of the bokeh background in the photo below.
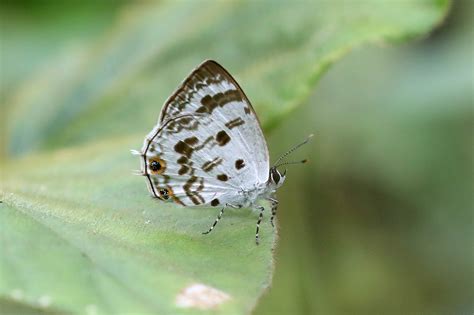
(386, 225)
(381, 219)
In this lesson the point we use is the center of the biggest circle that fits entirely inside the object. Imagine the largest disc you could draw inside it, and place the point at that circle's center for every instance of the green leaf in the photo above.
(276, 51)
(79, 233)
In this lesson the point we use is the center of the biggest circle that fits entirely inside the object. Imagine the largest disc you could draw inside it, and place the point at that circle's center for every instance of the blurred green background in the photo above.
(381, 220)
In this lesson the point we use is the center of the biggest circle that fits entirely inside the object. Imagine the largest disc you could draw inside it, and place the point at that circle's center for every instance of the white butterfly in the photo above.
(208, 148)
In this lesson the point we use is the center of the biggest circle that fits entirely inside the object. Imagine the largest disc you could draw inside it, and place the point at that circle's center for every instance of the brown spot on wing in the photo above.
(222, 177)
(215, 202)
(180, 123)
(222, 138)
(191, 141)
(194, 195)
(209, 165)
(188, 146)
(184, 149)
(183, 170)
(239, 164)
(184, 120)
(234, 123)
(182, 160)
(204, 143)
(186, 166)
(209, 103)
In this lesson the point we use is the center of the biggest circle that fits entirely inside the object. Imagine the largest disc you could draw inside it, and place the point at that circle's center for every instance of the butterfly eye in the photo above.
(157, 166)
(275, 176)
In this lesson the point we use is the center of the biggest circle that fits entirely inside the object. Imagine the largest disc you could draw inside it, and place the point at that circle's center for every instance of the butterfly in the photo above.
(208, 148)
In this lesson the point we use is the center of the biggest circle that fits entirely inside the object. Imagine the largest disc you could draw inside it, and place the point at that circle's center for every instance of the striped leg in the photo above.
(215, 222)
(260, 216)
(274, 209)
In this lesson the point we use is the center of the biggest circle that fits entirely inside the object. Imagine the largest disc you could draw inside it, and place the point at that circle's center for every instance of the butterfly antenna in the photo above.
(292, 162)
(291, 151)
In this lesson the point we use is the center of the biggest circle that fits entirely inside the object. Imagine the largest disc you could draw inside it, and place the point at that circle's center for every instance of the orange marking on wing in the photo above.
(172, 196)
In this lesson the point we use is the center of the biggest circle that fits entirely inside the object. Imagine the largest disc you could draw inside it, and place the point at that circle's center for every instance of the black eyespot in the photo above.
(164, 193)
(155, 166)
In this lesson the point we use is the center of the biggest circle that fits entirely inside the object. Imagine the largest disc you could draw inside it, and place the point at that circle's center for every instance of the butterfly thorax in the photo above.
(262, 190)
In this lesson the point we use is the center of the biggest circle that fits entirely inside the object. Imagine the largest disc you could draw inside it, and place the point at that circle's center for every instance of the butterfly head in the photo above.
(276, 178)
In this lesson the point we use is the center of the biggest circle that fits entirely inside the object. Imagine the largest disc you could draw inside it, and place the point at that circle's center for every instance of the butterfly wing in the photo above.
(211, 90)
(208, 144)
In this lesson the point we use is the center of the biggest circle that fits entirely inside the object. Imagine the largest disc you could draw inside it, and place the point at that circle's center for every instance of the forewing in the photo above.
(211, 90)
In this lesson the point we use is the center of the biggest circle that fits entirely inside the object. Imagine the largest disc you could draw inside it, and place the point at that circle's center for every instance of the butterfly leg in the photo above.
(215, 222)
(260, 216)
(274, 203)
(220, 215)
